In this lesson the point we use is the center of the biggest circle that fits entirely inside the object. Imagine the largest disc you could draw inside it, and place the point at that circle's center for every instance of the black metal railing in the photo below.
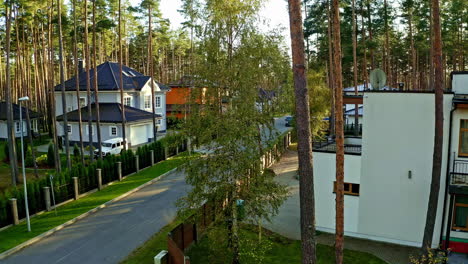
(459, 173)
(330, 146)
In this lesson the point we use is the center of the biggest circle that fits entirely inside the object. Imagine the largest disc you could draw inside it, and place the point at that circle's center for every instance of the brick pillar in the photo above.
(152, 157)
(75, 187)
(119, 170)
(47, 197)
(99, 178)
(137, 163)
(14, 211)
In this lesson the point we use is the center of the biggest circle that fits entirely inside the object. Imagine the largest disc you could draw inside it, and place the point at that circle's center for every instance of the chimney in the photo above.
(80, 66)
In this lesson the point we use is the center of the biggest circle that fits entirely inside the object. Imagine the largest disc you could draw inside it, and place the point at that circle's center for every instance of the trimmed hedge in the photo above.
(63, 182)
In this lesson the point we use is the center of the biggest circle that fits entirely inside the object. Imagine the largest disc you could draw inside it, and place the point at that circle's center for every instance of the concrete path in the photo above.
(112, 233)
(287, 222)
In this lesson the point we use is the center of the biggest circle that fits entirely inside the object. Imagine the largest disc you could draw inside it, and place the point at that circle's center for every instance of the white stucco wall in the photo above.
(106, 133)
(460, 83)
(399, 137)
(324, 176)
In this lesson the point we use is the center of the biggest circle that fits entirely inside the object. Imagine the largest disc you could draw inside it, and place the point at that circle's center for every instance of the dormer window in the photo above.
(147, 101)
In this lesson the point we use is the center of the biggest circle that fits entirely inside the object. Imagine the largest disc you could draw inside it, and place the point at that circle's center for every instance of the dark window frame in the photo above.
(348, 188)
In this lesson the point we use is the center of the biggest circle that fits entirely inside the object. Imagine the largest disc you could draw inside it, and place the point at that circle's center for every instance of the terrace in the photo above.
(459, 173)
(352, 146)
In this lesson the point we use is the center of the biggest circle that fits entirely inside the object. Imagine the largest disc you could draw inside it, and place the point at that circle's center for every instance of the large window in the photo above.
(82, 102)
(128, 101)
(157, 103)
(349, 188)
(147, 101)
(463, 143)
(69, 129)
(113, 130)
(460, 213)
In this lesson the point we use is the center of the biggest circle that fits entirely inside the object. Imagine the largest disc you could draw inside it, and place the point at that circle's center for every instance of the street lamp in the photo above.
(22, 162)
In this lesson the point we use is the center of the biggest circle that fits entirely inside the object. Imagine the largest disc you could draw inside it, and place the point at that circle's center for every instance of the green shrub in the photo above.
(51, 155)
(42, 160)
(76, 151)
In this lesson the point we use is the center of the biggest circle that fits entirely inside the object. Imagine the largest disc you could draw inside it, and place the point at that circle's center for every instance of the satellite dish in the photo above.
(378, 79)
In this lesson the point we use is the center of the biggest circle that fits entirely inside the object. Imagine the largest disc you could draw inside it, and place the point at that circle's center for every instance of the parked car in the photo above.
(110, 146)
(289, 121)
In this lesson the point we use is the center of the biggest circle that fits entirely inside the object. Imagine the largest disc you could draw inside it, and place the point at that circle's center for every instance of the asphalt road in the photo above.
(112, 233)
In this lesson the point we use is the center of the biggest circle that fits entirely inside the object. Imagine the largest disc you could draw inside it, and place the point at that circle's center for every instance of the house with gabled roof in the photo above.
(34, 118)
(137, 100)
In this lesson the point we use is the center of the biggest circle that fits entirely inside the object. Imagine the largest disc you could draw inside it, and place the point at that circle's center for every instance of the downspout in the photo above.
(447, 183)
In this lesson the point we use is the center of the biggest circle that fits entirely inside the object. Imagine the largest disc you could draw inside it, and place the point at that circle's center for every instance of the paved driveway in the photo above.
(112, 233)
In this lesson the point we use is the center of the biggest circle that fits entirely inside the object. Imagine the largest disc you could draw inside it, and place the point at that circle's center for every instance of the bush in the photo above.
(76, 151)
(51, 156)
(28, 160)
(42, 160)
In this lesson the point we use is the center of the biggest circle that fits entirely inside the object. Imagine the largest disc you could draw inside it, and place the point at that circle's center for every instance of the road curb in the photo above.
(69, 222)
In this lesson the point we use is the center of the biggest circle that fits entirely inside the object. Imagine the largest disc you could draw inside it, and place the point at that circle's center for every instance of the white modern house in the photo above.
(137, 104)
(34, 117)
(388, 171)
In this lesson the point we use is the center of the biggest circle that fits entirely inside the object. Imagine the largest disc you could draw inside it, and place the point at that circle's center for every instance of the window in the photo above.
(157, 103)
(128, 101)
(113, 130)
(158, 121)
(113, 145)
(18, 127)
(118, 144)
(82, 102)
(89, 130)
(147, 101)
(460, 213)
(349, 188)
(463, 143)
(69, 129)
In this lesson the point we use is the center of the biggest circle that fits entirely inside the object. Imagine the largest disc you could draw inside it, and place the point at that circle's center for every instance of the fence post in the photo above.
(152, 157)
(14, 211)
(166, 152)
(47, 198)
(99, 179)
(119, 170)
(177, 150)
(137, 163)
(75, 187)
(186, 260)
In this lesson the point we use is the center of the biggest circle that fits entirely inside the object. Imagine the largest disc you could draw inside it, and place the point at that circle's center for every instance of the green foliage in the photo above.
(174, 123)
(28, 159)
(42, 160)
(76, 151)
(51, 155)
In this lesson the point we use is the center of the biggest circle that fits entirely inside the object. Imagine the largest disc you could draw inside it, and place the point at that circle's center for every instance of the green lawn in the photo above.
(2, 151)
(274, 249)
(146, 252)
(16, 235)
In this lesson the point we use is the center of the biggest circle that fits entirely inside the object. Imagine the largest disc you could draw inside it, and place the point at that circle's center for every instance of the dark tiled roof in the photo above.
(109, 79)
(109, 113)
(16, 112)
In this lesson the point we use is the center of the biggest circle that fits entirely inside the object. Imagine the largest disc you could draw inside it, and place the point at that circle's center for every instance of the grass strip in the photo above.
(16, 235)
(146, 252)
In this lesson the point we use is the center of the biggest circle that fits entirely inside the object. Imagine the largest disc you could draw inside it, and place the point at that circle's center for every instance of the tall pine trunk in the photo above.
(151, 72)
(77, 84)
(96, 88)
(306, 173)
(88, 83)
(8, 99)
(330, 71)
(122, 105)
(355, 70)
(339, 228)
(438, 129)
(62, 86)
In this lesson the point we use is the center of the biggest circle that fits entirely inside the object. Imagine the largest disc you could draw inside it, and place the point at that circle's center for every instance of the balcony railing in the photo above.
(330, 146)
(459, 173)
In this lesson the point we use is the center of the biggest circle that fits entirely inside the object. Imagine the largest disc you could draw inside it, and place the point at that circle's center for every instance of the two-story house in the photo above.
(137, 100)
(388, 171)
